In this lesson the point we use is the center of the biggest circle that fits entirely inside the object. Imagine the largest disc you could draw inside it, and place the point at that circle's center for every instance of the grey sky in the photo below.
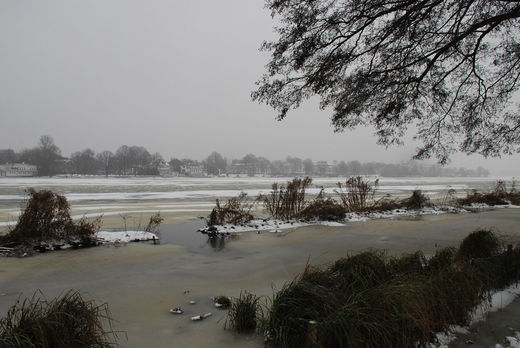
(172, 76)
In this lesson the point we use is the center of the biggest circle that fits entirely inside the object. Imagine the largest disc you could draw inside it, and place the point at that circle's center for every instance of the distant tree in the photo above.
(215, 163)
(342, 168)
(106, 159)
(45, 156)
(84, 162)
(354, 168)
(447, 67)
(8, 156)
(308, 166)
(295, 165)
(175, 164)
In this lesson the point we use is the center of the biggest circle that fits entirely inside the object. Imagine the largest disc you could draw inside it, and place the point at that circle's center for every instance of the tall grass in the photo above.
(371, 300)
(66, 321)
(245, 313)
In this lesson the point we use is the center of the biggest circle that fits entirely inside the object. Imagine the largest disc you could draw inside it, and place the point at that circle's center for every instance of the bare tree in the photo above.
(447, 67)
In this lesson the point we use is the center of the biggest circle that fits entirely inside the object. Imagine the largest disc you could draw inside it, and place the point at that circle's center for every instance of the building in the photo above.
(18, 170)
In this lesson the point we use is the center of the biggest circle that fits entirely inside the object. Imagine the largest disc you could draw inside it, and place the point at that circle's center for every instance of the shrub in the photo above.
(46, 217)
(244, 313)
(324, 209)
(416, 201)
(237, 210)
(67, 321)
(286, 202)
(357, 193)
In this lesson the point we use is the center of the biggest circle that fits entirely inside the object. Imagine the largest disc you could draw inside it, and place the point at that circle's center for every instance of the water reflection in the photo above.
(187, 235)
(218, 242)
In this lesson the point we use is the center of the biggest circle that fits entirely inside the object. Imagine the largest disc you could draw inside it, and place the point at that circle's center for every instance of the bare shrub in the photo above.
(236, 211)
(154, 223)
(286, 202)
(357, 193)
(46, 217)
(417, 200)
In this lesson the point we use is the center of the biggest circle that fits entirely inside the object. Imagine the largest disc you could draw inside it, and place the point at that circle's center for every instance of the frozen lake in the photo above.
(181, 199)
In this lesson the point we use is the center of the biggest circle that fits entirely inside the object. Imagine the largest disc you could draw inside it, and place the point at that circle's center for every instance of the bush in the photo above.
(416, 201)
(324, 209)
(236, 211)
(357, 194)
(67, 321)
(286, 202)
(46, 217)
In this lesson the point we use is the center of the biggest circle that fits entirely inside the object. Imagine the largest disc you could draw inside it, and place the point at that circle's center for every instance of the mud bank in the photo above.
(140, 282)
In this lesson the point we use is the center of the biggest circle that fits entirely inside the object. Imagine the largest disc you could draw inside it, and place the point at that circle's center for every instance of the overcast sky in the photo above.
(173, 76)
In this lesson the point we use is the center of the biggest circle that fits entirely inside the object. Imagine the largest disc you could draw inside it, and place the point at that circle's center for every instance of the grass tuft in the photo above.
(245, 313)
(66, 321)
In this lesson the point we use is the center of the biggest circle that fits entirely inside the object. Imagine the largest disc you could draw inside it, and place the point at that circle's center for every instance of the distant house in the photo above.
(164, 170)
(18, 170)
(193, 170)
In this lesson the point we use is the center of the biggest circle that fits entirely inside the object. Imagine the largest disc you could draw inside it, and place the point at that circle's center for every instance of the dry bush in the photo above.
(323, 209)
(286, 202)
(357, 194)
(46, 218)
(236, 211)
(154, 223)
(417, 200)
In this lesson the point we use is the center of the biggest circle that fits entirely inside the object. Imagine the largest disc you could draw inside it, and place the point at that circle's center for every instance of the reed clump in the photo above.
(245, 313)
(371, 300)
(66, 321)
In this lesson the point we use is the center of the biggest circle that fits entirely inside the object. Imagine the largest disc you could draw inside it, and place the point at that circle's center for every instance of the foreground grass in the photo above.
(372, 300)
(66, 321)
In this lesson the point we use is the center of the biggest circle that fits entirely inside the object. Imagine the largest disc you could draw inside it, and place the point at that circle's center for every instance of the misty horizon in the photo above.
(174, 78)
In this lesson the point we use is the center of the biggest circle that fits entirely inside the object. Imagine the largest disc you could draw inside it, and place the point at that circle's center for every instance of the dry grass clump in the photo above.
(46, 218)
(370, 300)
(236, 211)
(479, 244)
(245, 313)
(66, 321)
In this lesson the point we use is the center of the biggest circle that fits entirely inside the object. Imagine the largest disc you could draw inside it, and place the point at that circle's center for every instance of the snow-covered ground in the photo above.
(125, 236)
(499, 300)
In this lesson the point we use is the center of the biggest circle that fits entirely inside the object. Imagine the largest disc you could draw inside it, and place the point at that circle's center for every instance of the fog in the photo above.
(172, 76)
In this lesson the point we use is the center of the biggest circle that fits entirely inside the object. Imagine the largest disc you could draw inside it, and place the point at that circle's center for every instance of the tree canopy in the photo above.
(447, 68)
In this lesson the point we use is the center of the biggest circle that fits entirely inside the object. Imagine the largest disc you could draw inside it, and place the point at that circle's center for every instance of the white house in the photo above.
(18, 169)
